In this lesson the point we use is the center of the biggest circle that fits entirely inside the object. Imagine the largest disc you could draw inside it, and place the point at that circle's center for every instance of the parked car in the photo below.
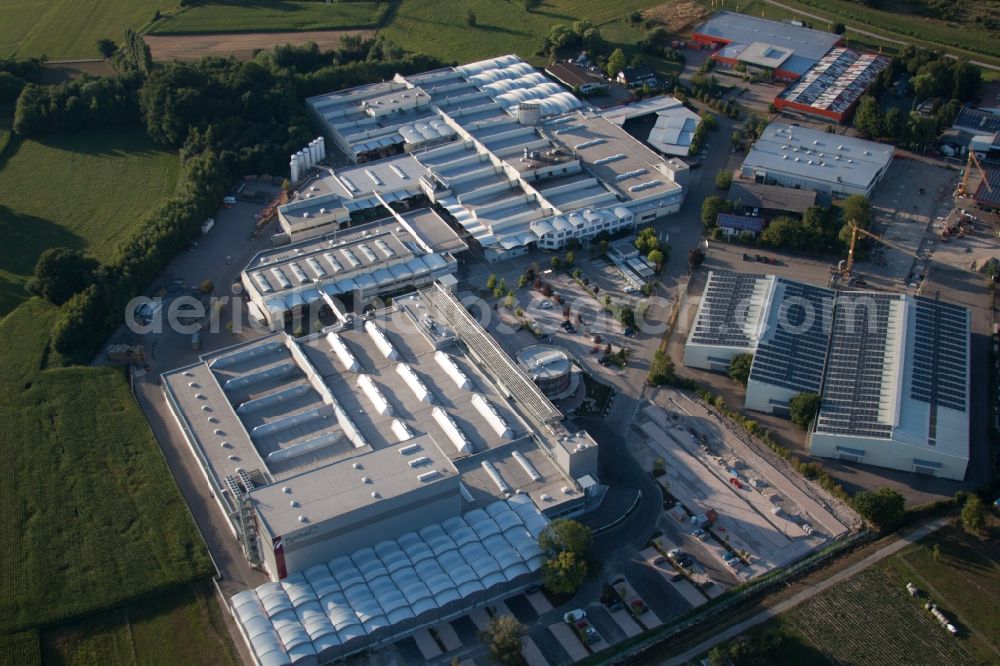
(747, 257)
(573, 616)
(677, 575)
(700, 534)
(546, 305)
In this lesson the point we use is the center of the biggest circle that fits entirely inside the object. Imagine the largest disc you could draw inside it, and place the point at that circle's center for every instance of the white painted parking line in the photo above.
(480, 618)
(426, 644)
(532, 654)
(625, 621)
(569, 640)
(539, 603)
(501, 608)
(448, 636)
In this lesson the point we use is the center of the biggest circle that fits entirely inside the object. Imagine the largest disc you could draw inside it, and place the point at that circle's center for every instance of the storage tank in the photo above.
(322, 147)
(293, 167)
(529, 113)
(314, 152)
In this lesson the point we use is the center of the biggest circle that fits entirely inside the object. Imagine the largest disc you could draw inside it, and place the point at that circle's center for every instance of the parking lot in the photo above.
(555, 637)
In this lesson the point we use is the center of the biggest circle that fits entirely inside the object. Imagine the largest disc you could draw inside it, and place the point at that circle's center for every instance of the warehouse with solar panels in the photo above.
(892, 370)
(388, 472)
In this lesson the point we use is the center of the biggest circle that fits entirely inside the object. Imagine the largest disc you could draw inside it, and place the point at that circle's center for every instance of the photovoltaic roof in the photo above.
(729, 310)
(940, 355)
(792, 350)
(976, 121)
(752, 223)
(859, 362)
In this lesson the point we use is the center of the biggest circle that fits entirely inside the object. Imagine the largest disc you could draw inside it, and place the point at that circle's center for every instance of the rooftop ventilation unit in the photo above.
(408, 449)
(417, 462)
(492, 472)
(451, 429)
(427, 476)
(526, 464)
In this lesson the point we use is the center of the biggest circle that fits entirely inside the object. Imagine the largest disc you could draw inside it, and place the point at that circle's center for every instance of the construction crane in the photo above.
(973, 160)
(846, 267)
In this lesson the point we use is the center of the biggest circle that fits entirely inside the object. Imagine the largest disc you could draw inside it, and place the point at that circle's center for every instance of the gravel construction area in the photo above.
(239, 44)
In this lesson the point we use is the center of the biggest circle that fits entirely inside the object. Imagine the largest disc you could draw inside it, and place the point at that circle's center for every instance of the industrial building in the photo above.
(831, 88)
(771, 200)
(407, 431)
(784, 51)
(353, 266)
(670, 131)
(809, 159)
(578, 78)
(507, 156)
(550, 368)
(892, 370)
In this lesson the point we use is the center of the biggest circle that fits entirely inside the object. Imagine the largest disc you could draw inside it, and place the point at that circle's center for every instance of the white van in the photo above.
(229, 201)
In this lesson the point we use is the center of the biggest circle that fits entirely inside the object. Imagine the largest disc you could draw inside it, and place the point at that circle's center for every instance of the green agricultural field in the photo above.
(279, 15)
(871, 619)
(964, 581)
(83, 190)
(146, 633)
(91, 513)
(21, 649)
(69, 28)
(440, 29)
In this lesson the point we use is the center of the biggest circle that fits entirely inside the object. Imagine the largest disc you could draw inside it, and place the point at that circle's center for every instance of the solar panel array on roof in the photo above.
(853, 385)
(837, 81)
(940, 354)
(989, 196)
(740, 222)
(793, 354)
(723, 311)
(976, 121)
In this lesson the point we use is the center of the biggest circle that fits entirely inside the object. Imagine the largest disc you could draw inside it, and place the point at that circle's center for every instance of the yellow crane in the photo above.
(846, 267)
(973, 161)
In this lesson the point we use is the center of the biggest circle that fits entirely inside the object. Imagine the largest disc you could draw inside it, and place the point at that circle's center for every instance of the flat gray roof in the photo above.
(743, 29)
(764, 54)
(341, 488)
(293, 412)
(434, 231)
(819, 156)
(772, 197)
(620, 162)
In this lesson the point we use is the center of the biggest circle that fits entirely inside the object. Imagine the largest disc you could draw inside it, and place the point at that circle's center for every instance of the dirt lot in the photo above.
(66, 70)
(677, 16)
(241, 45)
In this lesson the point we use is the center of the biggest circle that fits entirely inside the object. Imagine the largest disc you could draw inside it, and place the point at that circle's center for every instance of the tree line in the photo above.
(227, 118)
(930, 76)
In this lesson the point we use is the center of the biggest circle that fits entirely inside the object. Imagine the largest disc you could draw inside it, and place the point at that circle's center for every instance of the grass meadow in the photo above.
(92, 515)
(146, 633)
(84, 190)
(69, 28)
(276, 16)
(440, 29)
(20, 649)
